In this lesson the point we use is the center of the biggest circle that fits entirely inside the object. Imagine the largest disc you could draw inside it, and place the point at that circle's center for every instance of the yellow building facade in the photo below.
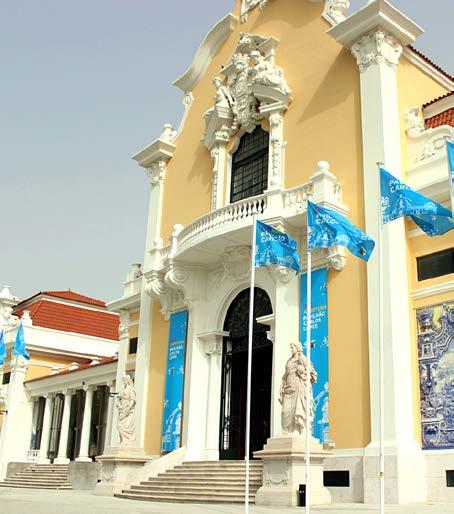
(287, 99)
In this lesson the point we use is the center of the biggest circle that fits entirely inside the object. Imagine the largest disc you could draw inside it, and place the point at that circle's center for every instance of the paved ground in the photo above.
(28, 501)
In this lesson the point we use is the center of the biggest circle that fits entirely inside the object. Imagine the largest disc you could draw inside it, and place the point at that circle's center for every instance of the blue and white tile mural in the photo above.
(436, 375)
(173, 400)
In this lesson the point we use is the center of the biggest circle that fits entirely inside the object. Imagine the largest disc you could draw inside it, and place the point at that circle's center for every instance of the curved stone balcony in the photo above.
(204, 241)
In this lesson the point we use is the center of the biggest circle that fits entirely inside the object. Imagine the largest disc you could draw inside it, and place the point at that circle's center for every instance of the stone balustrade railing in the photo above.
(232, 217)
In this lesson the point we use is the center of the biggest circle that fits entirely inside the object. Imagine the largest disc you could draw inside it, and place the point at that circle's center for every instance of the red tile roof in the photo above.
(103, 362)
(425, 58)
(71, 296)
(444, 118)
(70, 318)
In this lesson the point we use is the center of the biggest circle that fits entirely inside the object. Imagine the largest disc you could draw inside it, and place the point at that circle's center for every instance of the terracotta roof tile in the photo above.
(444, 118)
(69, 318)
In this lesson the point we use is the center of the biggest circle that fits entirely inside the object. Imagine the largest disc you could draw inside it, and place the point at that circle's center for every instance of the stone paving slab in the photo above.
(27, 501)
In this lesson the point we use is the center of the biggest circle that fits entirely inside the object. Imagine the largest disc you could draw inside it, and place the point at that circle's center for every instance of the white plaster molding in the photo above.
(207, 50)
(212, 341)
(248, 5)
(157, 172)
(281, 274)
(379, 14)
(439, 106)
(415, 123)
(447, 287)
(375, 48)
(335, 11)
(428, 68)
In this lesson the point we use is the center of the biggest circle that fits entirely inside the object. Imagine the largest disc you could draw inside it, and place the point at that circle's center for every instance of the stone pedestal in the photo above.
(118, 464)
(284, 469)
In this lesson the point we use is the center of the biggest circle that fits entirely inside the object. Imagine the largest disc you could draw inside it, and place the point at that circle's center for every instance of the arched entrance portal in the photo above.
(234, 377)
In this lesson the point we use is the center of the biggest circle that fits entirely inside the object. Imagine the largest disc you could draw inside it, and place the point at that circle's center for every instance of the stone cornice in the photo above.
(205, 53)
(376, 15)
(159, 150)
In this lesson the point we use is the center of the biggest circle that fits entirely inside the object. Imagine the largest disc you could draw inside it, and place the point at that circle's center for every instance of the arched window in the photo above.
(250, 165)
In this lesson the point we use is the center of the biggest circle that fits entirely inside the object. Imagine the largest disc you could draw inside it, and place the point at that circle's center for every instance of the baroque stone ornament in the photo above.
(415, 124)
(249, 5)
(126, 402)
(336, 10)
(378, 47)
(253, 85)
(292, 396)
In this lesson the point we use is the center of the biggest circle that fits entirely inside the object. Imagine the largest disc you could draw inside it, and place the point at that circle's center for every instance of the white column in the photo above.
(86, 425)
(286, 330)
(45, 432)
(219, 155)
(276, 150)
(123, 347)
(15, 431)
(213, 349)
(110, 414)
(377, 53)
(154, 159)
(64, 432)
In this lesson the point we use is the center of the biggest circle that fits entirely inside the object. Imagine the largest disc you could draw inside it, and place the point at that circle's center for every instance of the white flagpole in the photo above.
(381, 348)
(249, 361)
(308, 369)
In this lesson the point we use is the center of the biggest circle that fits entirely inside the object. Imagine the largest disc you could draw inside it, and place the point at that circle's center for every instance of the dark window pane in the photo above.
(6, 378)
(336, 478)
(436, 264)
(450, 478)
(250, 166)
(133, 345)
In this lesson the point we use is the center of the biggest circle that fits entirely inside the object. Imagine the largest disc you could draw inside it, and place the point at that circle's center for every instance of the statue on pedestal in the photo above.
(294, 418)
(126, 402)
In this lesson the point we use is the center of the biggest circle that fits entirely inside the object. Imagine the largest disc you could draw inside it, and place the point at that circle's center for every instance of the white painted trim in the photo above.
(57, 351)
(130, 303)
(61, 301)
(428, 68)
(349, 452)
(41, 364)
(438, 452)
(447, 287)
(438, 107)
(67, 333)
(205, 53)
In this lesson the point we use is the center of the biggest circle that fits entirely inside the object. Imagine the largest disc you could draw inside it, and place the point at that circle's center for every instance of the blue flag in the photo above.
(19, 345)
(328, 227)
(398, 200)
(274, 247)
(451, 171)
(2, 348)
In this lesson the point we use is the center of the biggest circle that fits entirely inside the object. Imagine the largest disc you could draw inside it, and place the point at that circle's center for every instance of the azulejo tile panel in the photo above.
(436, 374)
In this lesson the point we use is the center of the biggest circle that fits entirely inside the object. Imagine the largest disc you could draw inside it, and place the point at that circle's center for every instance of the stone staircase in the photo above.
(199, 482)
(40, 476)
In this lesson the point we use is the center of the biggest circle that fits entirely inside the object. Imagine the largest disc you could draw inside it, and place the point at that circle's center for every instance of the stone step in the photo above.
(41, 474)
(185, 498)
(39, 479)
(219, 489)
(222, 463)
(33, 486)
(205, 481)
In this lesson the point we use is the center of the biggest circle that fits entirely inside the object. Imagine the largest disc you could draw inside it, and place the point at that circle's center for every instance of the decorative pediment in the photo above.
(251, 88)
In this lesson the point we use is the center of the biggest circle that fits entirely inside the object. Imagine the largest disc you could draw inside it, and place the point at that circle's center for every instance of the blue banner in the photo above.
(275, 247)
(398, 200)
(319, 351)
(173, 400)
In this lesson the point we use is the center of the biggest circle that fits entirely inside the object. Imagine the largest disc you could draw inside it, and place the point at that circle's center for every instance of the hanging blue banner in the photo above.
(173, 400)
(319, 352)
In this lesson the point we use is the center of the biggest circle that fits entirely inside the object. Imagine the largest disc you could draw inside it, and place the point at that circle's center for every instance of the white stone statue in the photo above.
(126, 402)
(223, 98)
(267, 74)
(294, 417)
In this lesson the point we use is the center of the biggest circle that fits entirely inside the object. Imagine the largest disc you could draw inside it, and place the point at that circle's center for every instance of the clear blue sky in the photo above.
(84, 85)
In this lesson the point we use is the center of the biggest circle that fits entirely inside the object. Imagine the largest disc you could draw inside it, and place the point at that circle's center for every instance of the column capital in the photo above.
(69, 392)
(377, 47)
(89, 387)
(376, 33)
(49, 396)
(212, 341)
(281, 274)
